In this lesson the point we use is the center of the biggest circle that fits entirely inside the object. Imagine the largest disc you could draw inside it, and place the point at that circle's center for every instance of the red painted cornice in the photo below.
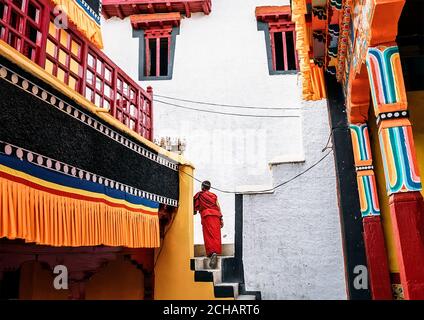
(273, 13)
(156, 20)
(125, 8)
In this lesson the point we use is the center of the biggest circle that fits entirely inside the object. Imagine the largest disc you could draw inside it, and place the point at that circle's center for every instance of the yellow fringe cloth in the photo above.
(48, 219)
(84, 23)
(313, 87)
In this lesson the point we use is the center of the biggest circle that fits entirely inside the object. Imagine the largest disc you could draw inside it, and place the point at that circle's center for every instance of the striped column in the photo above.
(375, 248)
(403, 183)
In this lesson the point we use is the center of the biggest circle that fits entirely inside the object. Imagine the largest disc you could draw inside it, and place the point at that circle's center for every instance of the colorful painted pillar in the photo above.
(403, 181)
(375, 247)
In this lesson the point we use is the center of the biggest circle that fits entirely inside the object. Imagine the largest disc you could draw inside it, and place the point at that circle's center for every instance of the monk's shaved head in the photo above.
(206, 185)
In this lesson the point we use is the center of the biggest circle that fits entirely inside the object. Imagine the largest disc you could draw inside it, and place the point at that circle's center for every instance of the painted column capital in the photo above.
(386, 79)
(395, 131)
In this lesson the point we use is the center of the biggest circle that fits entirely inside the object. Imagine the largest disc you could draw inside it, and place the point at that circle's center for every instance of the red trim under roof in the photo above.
(125, 8)
(273, 13)
(159, 20)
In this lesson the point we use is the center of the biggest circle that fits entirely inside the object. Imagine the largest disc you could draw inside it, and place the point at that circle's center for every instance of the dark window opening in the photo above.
(152, 51)
(18, 3)
(279, 51)
(33, 12)
(157, 55)
(291, 50)
(164, 58)
(284, 52)
(2, 10)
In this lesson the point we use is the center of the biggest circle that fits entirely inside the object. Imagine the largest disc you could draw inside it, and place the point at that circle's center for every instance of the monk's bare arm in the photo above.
(222, 220)
(217, 203)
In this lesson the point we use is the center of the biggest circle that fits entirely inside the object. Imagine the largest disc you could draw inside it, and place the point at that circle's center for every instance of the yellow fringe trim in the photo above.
(313, 87)
(82, 20)
(47, 219)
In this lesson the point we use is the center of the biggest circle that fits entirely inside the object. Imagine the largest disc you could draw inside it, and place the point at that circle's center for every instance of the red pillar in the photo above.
(375, 248)
(407, 214)
(378, 268)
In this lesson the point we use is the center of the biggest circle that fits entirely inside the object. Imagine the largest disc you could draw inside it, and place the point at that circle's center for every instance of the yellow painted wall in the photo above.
(36, 283)
(173, 277)
(118, 280)
(416, 109)
(382, 194)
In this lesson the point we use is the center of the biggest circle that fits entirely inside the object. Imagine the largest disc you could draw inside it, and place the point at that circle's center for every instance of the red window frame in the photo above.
(283, 28)
(96, 77)
(16, 24)
(99, 86)
(156, 35)
(69, 54)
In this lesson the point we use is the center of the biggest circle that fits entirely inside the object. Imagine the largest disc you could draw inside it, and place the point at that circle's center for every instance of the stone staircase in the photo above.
(222, 288)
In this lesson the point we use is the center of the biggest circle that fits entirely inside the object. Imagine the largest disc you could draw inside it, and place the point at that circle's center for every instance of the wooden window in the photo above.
(283, 48)
(157, 52)
(64, 56)
(20, 26)
(280, 37)
(27, 26)
(99, 81)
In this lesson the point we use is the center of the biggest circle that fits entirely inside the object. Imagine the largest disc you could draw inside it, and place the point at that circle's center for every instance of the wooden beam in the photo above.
(105, 14)
(205, 8)
(120, 13)
(187, 10)
(151, 8)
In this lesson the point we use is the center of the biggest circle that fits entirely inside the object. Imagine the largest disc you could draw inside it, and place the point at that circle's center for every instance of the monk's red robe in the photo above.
(206, 203)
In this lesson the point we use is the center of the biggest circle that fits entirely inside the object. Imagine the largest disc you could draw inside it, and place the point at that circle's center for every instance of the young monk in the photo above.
(207, 204)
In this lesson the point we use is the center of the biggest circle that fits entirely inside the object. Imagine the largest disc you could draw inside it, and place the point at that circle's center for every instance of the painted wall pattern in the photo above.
(399, 159)
(361, 144)
(367, 187)
(343, 39)
(368, 196)
(386, 79)
(363, 13)
(389, 99)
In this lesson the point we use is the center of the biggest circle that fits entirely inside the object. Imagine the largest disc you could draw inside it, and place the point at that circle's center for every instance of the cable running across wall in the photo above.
(273, 188)
(226, 113)
(227, 105)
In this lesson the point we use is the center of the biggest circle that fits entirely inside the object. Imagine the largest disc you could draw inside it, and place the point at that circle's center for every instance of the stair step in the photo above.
(202, 263)
(226, 290)
(208, 275)
(246, 297)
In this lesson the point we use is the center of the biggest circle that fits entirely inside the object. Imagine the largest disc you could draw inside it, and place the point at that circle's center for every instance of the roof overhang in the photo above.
(125, 8)
(273, 13)
(156, 20)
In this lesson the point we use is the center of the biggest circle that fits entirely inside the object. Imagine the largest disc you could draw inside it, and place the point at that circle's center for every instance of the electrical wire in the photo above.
(225, 113)
(273, 188)
(225, 105)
